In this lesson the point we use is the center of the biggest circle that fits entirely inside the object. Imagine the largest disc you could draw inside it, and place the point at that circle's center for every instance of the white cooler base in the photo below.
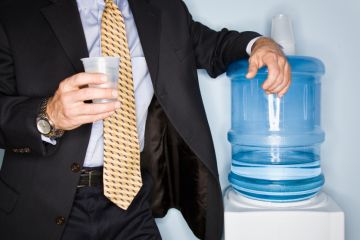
(319, 218)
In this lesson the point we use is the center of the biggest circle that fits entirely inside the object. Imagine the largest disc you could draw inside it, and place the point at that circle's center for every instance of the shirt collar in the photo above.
(100, 4)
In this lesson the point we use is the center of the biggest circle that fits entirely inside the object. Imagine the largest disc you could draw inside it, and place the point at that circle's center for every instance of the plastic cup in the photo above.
(105, 65)
(282, 33)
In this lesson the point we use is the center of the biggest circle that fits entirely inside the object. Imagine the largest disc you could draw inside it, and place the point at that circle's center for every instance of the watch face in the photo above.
(43, 126)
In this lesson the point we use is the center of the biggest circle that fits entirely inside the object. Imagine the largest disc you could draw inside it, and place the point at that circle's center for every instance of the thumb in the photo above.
(253, 69)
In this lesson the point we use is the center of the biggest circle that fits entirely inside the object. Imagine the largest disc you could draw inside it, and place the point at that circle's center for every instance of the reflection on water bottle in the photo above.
(276, 142)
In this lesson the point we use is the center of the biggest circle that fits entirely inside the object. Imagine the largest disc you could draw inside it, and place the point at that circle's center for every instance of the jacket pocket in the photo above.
(8, 197)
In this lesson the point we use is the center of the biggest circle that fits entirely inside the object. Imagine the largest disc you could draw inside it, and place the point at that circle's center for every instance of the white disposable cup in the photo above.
(282, 33)
(106, 65)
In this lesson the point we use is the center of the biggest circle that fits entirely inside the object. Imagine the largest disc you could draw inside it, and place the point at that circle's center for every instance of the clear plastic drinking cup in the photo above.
(282, 33)
(105, 65)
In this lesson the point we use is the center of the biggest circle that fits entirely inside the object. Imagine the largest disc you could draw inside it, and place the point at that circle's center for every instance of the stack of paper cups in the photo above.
(282, 33)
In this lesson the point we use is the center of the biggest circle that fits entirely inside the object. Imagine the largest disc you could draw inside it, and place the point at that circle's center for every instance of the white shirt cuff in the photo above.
(250, 44)
(48, 140)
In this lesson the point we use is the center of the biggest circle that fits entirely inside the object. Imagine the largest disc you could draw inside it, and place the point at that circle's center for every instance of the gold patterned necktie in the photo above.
(122, 177)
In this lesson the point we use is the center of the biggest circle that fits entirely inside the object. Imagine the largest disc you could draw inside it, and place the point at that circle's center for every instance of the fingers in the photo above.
(87, 109)
(284, 90)
(82, 79)
(67, 109)
(76, 122)
(254, 65)
(279, 74)
(274, 73)
(89, 93)
(68, 117)
(94, 118)
(267, 52)
(281, 81)
(288, 77)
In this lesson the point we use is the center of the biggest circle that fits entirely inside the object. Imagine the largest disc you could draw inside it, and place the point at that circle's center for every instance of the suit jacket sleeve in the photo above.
(215, 50)
(17, 113)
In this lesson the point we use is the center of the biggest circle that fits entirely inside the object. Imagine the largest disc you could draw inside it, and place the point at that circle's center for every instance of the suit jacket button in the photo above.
(75, 167)
(27, 150)
(60, 220)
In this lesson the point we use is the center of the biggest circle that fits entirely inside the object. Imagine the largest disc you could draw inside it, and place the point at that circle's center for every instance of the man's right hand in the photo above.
(67, 109)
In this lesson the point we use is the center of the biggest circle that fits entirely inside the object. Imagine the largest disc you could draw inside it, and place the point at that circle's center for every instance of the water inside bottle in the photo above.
(276, 142)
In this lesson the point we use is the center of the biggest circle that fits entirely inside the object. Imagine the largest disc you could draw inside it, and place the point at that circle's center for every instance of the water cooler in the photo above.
(275, 177)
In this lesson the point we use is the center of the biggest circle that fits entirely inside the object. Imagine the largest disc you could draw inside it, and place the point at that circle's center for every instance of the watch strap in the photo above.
(54, 132)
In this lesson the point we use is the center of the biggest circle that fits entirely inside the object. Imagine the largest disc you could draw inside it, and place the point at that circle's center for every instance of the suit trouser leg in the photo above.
(94, 217)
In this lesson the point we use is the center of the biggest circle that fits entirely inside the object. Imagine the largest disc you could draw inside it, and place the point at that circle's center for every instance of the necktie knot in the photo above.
(110, 4)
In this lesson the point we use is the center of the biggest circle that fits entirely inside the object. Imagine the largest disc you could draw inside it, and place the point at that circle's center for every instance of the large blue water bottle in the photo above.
(276, 142)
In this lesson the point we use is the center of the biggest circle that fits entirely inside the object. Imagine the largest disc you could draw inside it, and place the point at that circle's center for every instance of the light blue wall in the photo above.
(327, 29)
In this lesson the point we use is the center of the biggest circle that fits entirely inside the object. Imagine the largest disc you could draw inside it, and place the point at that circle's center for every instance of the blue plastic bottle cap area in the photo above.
(276, 141)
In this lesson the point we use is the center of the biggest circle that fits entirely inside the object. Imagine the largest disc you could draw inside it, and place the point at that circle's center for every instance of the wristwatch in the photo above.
(44, 125)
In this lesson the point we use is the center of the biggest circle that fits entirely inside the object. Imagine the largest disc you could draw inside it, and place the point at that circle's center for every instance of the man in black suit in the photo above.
(42, 193)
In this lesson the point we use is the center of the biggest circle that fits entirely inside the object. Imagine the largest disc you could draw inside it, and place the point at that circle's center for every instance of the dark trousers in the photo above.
(94, 217)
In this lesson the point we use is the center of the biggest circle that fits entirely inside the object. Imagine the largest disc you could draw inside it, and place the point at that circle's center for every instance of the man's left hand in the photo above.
(266, 52)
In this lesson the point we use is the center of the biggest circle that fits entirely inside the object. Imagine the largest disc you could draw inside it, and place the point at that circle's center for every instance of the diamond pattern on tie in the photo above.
(122, 177)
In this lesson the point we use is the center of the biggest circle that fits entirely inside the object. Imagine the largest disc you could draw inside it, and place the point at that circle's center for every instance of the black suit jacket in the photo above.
(41, 43)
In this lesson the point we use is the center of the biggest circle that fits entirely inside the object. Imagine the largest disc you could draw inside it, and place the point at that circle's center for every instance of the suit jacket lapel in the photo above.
(64, 18)
(68, 29)
(147, 20)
